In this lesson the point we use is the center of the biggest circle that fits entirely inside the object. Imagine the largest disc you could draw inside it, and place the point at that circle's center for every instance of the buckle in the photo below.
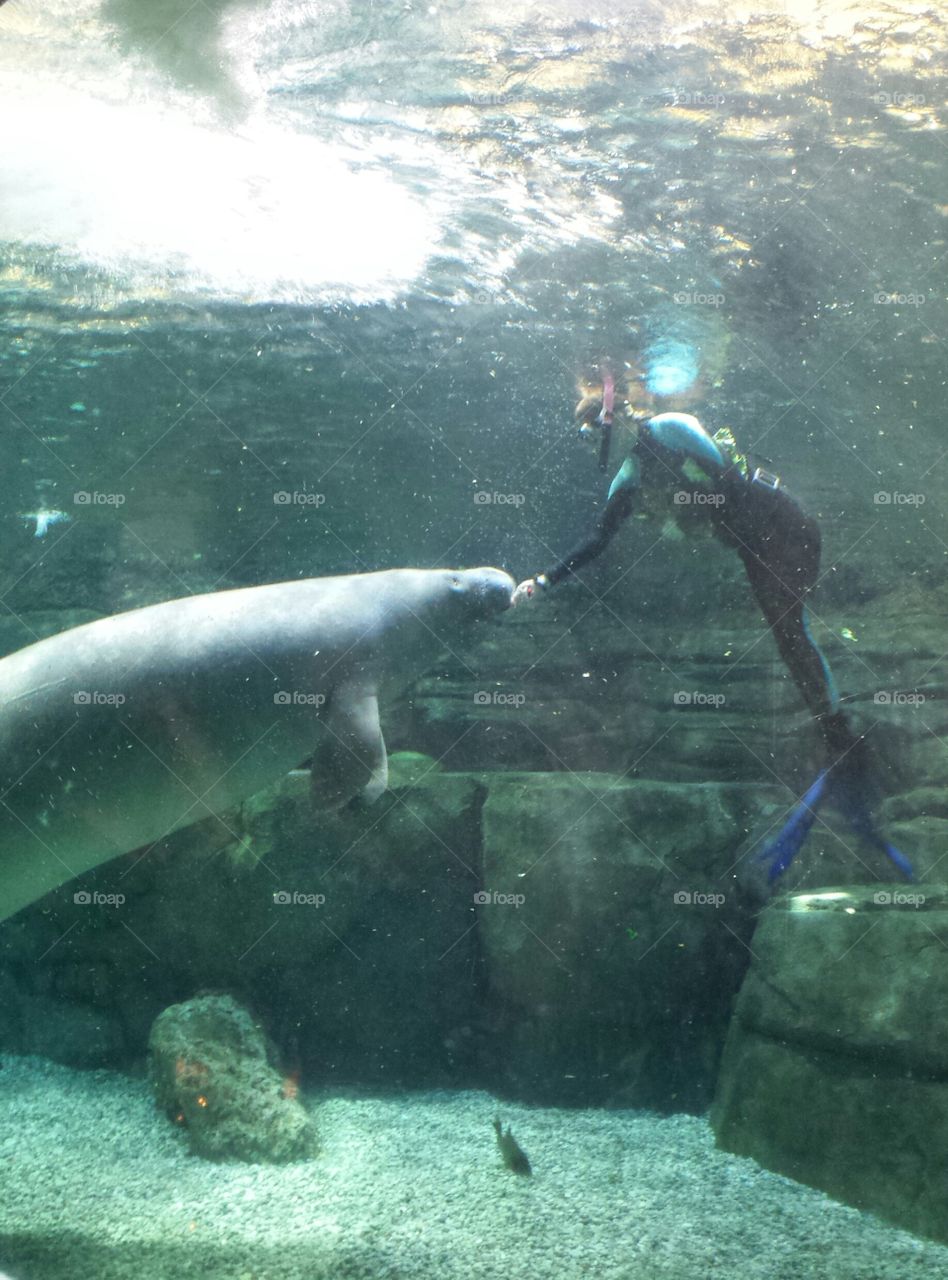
(766, 478)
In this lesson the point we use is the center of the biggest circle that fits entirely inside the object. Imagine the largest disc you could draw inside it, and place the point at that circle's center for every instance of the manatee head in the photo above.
(483, 593)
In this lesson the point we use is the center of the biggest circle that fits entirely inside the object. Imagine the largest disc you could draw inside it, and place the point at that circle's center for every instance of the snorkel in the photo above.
(605, 416)
(589, 419)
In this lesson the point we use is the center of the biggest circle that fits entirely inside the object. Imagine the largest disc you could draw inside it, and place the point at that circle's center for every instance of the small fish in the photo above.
(514, 1156)
(44, 519)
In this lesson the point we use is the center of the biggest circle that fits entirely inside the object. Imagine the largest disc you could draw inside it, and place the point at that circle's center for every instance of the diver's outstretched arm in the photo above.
(617, 509)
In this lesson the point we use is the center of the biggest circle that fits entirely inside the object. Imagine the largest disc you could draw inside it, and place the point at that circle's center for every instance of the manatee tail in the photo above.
(846, 796)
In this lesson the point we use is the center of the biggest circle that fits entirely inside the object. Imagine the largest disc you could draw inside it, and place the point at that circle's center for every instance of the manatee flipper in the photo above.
(351, 760)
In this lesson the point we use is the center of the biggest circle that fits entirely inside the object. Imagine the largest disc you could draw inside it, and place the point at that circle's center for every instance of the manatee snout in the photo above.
(489, 591)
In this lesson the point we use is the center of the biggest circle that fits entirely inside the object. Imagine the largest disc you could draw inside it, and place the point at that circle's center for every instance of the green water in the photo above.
(293, 291)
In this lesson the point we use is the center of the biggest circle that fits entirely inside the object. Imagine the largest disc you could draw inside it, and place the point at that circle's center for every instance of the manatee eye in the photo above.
(456, 583)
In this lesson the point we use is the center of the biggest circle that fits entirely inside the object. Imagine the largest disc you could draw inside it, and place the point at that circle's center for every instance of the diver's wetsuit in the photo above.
(778, 543)
(779, 546)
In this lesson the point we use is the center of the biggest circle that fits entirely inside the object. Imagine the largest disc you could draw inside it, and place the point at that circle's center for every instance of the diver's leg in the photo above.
(779, 545)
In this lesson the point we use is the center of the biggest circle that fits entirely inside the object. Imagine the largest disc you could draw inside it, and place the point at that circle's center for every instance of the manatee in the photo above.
(118, 732)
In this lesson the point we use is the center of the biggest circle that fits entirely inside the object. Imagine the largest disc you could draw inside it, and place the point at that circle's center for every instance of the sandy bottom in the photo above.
(96, 1185)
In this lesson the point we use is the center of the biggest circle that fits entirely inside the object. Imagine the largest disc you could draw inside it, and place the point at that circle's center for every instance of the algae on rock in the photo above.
(214, 1072)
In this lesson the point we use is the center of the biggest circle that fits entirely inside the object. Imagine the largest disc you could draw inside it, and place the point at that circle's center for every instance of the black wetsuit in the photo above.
(779, 546)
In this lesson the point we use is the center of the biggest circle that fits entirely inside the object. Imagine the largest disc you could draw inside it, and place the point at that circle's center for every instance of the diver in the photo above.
(675, 466)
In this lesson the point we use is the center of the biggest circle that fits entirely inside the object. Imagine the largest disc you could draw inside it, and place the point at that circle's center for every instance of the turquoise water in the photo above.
(295, 290)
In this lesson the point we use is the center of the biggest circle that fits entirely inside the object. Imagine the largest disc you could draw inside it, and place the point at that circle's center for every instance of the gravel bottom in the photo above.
(98, 1186)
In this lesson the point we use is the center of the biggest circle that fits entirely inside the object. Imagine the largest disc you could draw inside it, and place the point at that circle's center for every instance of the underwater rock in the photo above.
(215, 1073)
(389, 945)
(611, 931)
(366, 959)
(835, 1071)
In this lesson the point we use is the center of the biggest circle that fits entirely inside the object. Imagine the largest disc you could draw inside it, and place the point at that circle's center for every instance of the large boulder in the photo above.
(836, 1066)
(613, 933)
(216, 1075)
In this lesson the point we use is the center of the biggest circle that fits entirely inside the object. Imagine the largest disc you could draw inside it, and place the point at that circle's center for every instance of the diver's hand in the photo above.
(529, 589)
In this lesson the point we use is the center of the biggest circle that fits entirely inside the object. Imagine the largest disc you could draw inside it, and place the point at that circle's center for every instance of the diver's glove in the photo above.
(530, 588)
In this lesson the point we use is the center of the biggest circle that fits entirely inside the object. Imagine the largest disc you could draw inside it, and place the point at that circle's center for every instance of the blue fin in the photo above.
(788, 842)
(856, 811)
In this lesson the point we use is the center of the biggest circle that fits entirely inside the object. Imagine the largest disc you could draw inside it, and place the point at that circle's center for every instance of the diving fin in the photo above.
(857, 813)
(788, 842)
